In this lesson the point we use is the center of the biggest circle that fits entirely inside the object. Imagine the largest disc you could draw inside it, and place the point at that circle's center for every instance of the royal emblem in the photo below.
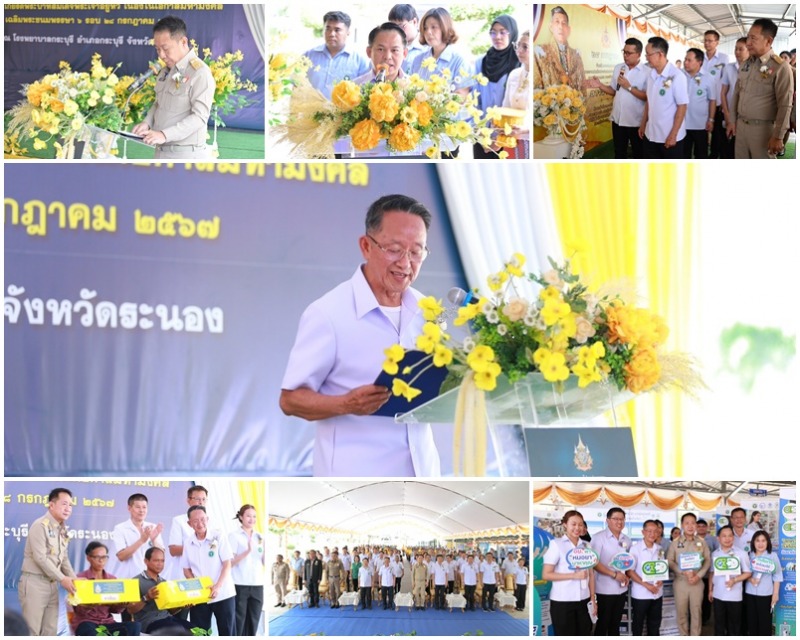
(583, 457)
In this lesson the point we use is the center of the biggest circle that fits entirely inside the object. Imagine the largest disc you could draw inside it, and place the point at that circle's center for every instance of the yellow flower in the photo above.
(587, 373)
(408, 114)
(550, 120)
(401, 388)
(452, 107)
(39, 144)
(277, 61)
(497, 280)
(554, 310)
(598, 350)
(365, 135)
(432, 152)
(463, 129)
(466, 313)
(554, 368)
(503, 155)
(382, 107)
(346, 95)
(442, 356)
(643, 371)
(70, 108)
(404, 137)
(480, 357)
(431, 308)
(540, 355)
(394, 355)
(430, 337)
(56, 106)
(487, 379)
(514, 266)
(429, 63)
(567, 325)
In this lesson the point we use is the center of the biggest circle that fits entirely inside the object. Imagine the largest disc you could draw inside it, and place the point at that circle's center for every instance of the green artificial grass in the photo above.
(234, 144)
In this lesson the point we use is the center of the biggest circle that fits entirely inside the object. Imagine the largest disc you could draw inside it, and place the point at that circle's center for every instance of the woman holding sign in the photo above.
(568, 564)
(761, 590)
(730, 569)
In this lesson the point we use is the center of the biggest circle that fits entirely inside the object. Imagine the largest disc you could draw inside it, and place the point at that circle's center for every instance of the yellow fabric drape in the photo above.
(625, 501)
(636, 222)
(541, 494)
(253, 492)
(704, 504)
(666, 503)
(579, 499)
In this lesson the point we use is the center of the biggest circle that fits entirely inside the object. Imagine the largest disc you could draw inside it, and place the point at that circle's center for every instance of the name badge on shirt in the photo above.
(623, 562)
(655, 571)
(691, 561)
(582, 559)
(727, 566)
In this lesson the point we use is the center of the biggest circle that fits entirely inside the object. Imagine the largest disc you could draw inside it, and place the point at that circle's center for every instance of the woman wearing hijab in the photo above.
(500, 60)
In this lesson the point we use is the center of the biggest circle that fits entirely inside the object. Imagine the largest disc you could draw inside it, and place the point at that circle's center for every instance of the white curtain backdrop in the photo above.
(256, 19)
(497, 209)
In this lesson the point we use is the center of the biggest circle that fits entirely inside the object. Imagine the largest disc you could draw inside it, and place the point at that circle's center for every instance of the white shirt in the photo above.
(250, 569)
(340, 346)
(661, 108)
(701, 92)
(743, 541)
(627, 110)
(556, 555)
(451, 569)
(520, 575)
(470, 573)
(516, 96)
(721, 592)
(510, 566)
(712, 68)
(643, 554)
(606, 545)
(365, 576)
(124, 535)
(347, 561)
(489, 571)
(439, 573)
(387, 576)
(179, 530)
(205, 558)
(730, 74)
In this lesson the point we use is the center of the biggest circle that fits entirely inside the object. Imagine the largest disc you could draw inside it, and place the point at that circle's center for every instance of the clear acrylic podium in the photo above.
(514, 409)
(99, 144)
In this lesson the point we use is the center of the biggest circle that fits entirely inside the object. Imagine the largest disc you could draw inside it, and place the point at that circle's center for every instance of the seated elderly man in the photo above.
(88, 618)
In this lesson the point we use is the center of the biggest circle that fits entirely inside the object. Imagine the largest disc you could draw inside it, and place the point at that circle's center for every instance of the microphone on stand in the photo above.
(461, 298)
(154, 69)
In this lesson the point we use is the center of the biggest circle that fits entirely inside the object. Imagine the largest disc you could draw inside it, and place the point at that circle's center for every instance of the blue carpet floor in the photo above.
(346, 622)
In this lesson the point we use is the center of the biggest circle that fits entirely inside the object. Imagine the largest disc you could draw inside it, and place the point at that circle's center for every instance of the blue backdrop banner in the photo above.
(39, 36)
(149, 310)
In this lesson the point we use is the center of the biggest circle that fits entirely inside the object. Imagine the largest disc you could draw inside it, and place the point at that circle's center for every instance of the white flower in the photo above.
(493, 316)
(468, 344)
(421, 96)
(487, 307)
(764, 69)
(502, 329)
(591, 304)
(529, 320)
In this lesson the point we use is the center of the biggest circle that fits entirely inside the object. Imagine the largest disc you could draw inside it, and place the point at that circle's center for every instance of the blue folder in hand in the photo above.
(429, 383)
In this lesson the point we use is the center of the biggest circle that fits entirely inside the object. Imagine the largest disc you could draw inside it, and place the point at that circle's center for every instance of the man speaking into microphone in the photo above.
(339, 351)
(177, 123)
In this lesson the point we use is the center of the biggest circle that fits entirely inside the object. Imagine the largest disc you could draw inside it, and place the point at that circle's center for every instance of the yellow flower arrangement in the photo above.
(406, 112)
(560, 109)
(565, 331)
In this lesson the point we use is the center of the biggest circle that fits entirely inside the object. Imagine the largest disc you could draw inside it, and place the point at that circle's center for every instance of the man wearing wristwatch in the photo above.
(146, 612)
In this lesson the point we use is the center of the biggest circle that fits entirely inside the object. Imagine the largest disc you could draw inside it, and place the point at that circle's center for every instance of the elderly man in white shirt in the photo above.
(339, 351)
(207, 553)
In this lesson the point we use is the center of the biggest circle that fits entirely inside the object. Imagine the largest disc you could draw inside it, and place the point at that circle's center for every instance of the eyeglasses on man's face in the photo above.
(395, 253)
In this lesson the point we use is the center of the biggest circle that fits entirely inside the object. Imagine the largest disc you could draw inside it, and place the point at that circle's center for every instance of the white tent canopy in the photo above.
(443, 508)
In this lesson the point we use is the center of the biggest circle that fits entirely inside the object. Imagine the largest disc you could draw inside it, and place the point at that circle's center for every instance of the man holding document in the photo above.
(339, 351)
(177, 123)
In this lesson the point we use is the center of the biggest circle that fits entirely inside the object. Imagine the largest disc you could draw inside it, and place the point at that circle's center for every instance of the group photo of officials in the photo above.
(192, 572)
(387, 557)
(686, 83)
(477, 50)
(616, 571)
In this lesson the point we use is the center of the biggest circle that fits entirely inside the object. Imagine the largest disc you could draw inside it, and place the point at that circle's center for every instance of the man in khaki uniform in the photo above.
(762, 100)
(45, 565)
(419, 578)
(557, 62)
(280, 579)
(177, 123)
(689, 559)
(335, 569)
